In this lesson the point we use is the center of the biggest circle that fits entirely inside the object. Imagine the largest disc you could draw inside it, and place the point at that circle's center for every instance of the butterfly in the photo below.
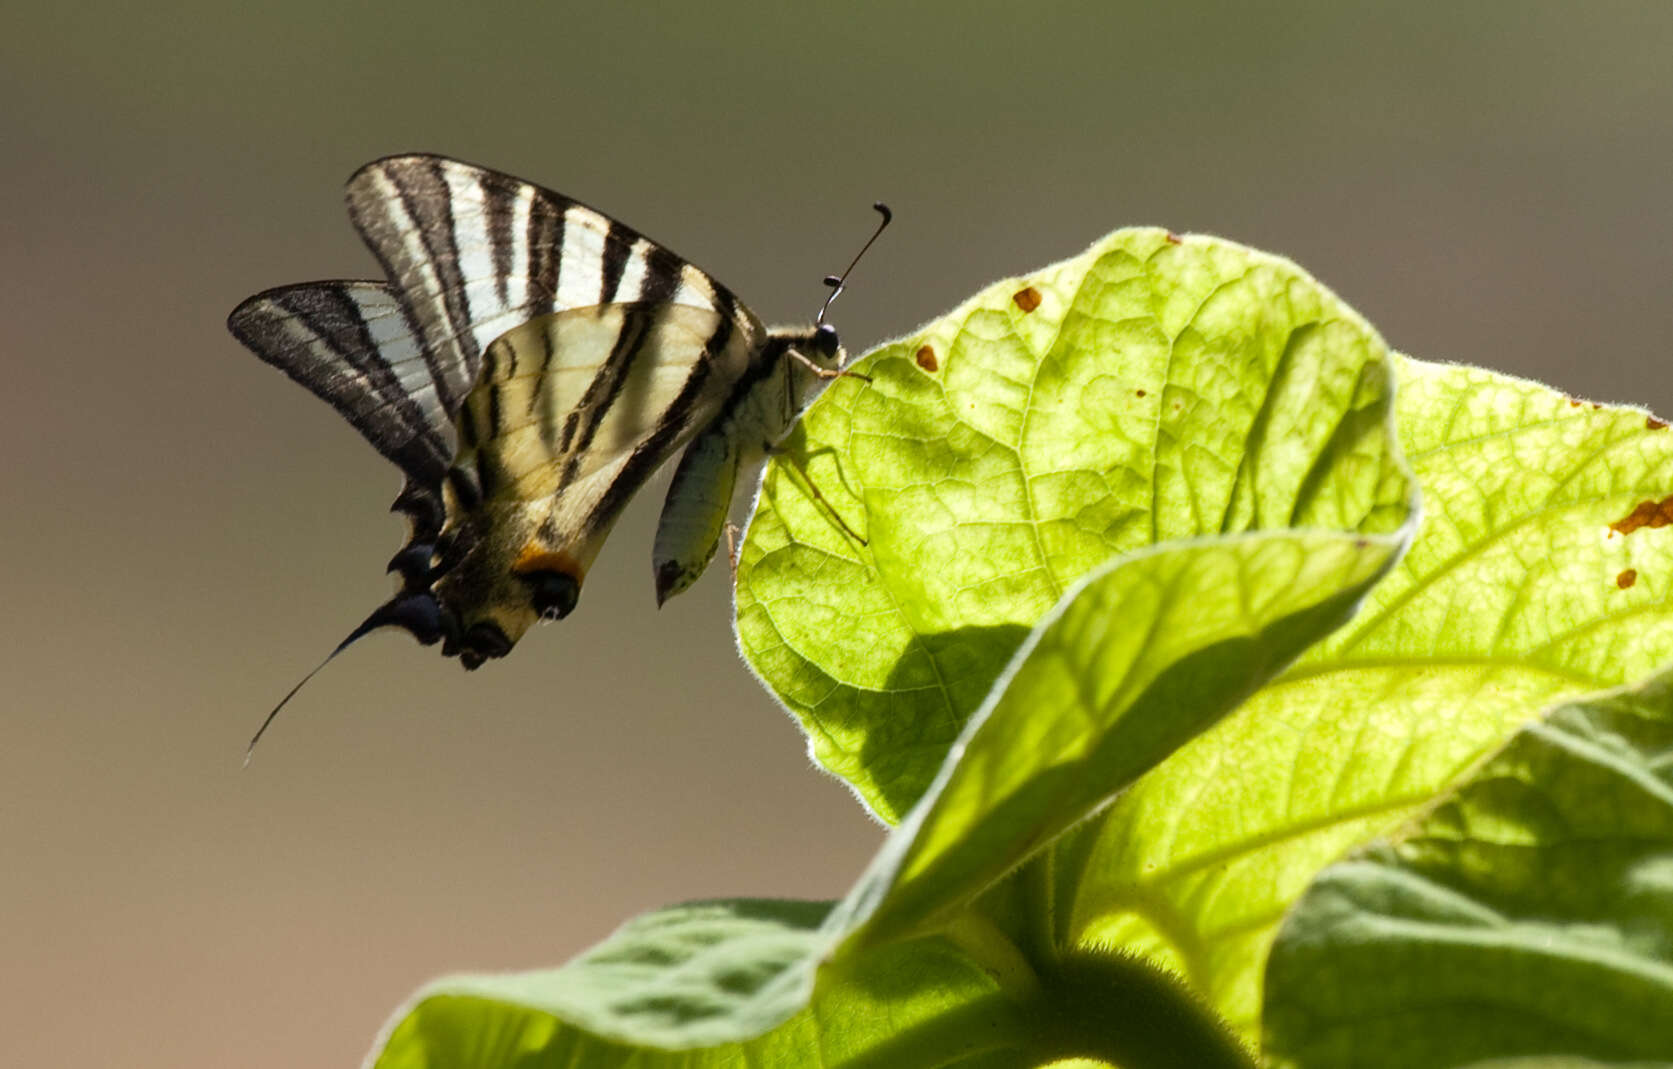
(528, 363)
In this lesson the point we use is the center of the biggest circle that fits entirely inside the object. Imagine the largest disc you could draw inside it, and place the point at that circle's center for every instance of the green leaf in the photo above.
(1149, 652)
(712, 973)
(1151, 389)
(1146, 652)
(1562, 1061)
(1516, 592)
(1530, 912)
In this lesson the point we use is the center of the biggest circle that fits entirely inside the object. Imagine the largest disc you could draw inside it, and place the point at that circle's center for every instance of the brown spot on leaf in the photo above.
(1175, 239)
(1655, 424)
(1645, 514)
(926, 358)
(1627, 578)
(1027, 299)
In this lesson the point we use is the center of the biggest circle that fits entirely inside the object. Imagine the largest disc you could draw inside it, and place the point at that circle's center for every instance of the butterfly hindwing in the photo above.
(576, 410)
(348, 344)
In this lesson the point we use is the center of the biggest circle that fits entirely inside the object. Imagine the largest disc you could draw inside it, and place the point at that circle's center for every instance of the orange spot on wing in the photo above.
(926, 358)
(1627, 578)
(1175, 239)
(537, 558)
(1027, 299)
(1655, 424)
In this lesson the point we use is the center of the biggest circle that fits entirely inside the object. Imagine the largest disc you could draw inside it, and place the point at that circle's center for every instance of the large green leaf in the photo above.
(1145, 653)
(1543, 568)
(1530, 912)
(721, 973)
(1152, 389)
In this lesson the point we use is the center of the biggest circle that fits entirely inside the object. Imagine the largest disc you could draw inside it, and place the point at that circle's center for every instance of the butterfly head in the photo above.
(825, 347)
(816, 350)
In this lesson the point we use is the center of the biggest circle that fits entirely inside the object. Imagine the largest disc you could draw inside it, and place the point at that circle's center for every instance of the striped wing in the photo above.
(350, 344)
(575, 410)
(473, 253)
(470, 254)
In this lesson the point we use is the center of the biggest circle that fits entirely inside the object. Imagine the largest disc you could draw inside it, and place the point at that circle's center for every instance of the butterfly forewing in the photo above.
(474, 253)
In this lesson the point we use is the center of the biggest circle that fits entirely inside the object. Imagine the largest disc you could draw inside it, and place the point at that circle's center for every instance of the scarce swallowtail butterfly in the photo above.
(528, 363)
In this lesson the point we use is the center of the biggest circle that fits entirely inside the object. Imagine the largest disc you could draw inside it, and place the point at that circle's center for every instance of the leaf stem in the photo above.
(1039, 876)
(1101, 1004)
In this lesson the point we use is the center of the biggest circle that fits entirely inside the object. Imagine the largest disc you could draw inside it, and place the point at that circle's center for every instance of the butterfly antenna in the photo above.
(836, 281)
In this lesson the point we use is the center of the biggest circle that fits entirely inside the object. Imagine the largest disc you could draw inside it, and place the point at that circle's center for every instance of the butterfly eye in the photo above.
(553, 594)
(825, 341)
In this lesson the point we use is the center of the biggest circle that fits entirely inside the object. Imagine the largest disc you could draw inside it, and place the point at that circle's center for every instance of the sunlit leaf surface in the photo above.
(1530, 911)
(1154, 388)
(1542, 569)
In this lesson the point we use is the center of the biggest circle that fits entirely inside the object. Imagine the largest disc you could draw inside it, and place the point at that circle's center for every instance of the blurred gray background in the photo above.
(186, 533)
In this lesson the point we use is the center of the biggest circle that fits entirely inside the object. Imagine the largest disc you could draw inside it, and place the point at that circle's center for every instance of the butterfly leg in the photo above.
(733, 532)
(829, 373)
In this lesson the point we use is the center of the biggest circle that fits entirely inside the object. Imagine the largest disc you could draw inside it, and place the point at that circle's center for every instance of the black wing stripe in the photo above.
(545, 238)
(441, 236)
(617, 247)
(496, 415)
(630, 283)
(653, 450)
(548, 424)
(662, 275)
(729, 307)
(503, 234)
(467, 426)
(589, 412)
